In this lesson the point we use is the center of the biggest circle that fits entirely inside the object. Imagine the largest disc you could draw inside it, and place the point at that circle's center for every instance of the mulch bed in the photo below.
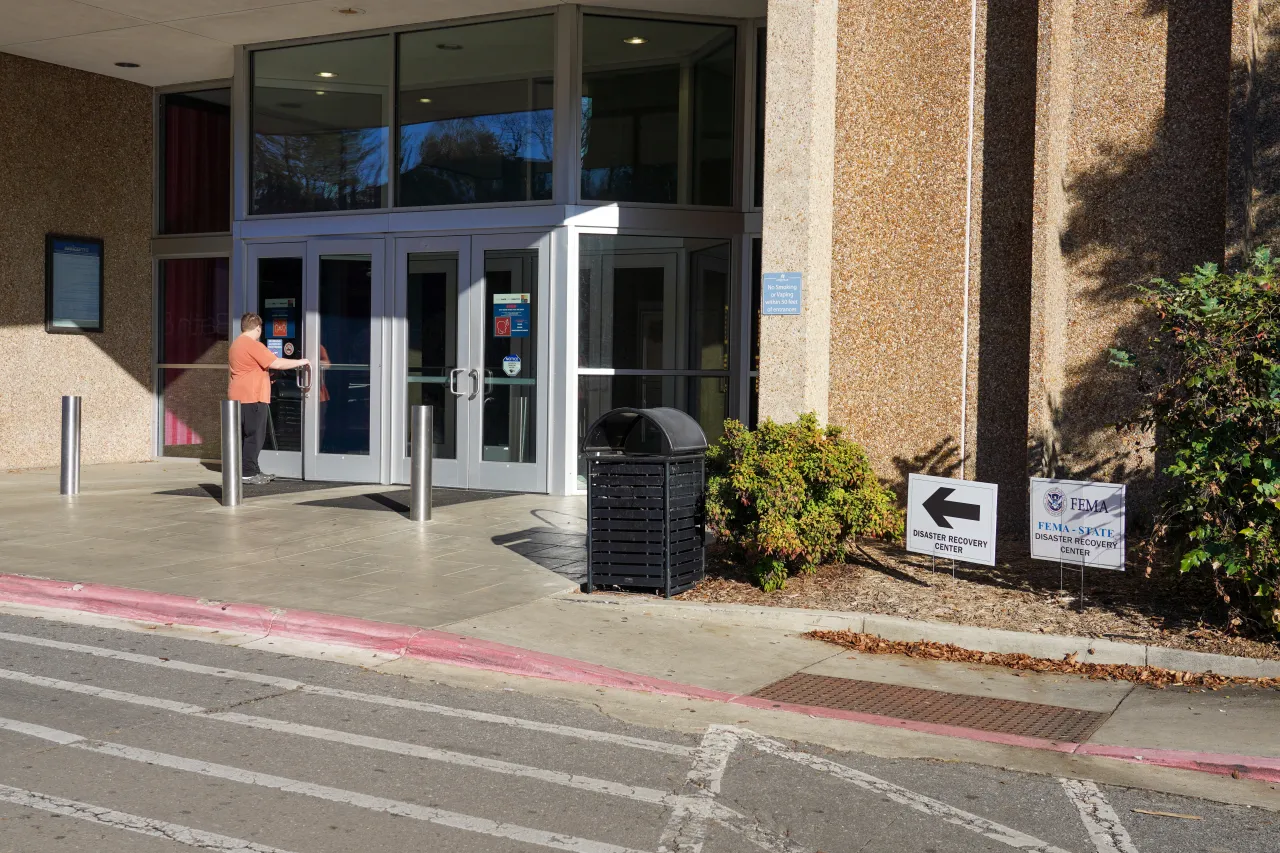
(1151, 676)
(1166, 608)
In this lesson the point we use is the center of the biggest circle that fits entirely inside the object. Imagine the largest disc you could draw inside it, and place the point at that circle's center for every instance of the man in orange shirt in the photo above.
(251, 385)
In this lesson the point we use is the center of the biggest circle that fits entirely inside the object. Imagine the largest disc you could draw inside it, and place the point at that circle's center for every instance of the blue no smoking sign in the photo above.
(780, 293)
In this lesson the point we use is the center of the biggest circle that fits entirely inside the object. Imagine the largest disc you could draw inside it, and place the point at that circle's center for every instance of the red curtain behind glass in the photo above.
(197, 166)
(194, 320)
(195, 302)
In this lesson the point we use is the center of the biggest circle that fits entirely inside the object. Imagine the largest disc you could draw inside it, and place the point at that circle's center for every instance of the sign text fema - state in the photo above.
(952, 518)
(1078, 522)
(780, 293)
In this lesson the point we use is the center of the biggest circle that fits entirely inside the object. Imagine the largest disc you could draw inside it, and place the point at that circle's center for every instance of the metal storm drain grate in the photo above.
(1008, 716)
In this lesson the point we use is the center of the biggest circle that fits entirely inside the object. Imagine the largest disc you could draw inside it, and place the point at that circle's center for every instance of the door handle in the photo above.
(453, 381)
(302, 376)
(475, 383)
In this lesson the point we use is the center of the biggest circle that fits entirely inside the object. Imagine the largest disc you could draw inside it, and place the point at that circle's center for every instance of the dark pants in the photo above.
(253, 427)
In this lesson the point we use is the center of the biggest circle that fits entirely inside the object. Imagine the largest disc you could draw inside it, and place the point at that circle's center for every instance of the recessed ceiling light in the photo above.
(326, 74)
(424, 100)
(447, 46)
(319, 91)
(635, 40)
(127, 65)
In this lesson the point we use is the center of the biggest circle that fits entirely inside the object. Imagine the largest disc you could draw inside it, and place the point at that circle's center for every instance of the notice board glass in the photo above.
(73, 284)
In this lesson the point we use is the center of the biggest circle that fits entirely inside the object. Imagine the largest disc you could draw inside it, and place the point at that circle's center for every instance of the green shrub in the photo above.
(1212, 389)
(792, 496)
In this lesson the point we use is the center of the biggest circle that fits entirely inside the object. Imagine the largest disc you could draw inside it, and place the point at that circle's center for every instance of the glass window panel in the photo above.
(280, 306)
(194, 303)
(509, 414)
(192, 419)
(320, 142)
(195, 179)
(756, 266)
(658, 110)
(706, 398)
(653, 303)
(345, 380)
(433, 346)
(475, 112)
(761, 42)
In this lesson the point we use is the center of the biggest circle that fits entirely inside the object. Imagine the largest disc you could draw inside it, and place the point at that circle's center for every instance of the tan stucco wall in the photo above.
(1131, 183)
(75, 158)
(897, 285)
(1100, 160)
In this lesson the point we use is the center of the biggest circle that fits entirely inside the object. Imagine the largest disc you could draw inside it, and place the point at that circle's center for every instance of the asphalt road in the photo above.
(119, 741)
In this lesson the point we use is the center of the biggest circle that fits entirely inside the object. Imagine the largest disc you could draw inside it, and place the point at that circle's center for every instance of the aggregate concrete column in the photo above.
(799, 175)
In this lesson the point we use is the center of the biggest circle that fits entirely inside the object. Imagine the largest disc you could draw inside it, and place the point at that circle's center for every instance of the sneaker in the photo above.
(257, 480)
(270, 477)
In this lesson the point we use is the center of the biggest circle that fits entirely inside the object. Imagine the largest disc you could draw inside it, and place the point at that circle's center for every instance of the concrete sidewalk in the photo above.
(503, 569)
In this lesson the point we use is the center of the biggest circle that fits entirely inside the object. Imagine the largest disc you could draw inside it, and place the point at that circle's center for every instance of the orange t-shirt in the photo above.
(250, 381)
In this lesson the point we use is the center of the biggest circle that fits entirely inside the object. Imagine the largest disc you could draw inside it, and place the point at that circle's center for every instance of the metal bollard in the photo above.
(421, 436)
(69, 479)
(232, 486)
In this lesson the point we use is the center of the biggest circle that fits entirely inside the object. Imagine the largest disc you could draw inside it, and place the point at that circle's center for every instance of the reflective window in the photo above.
(345, 378)
(280, 307)
(320, 127)
(509, 412)
(432, 346)
(193, 311)
(761, 44)
(195, 162)
(653, 327)
(475, 113)
(657, 111)
(194, 301)
(753, 415)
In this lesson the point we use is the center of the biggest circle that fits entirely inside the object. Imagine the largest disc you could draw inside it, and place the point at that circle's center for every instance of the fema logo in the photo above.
(1055, 501)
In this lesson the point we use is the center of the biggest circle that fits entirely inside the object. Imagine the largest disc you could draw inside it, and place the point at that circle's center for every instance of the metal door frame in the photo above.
(445, 472)
(282, 463)
(343, 467)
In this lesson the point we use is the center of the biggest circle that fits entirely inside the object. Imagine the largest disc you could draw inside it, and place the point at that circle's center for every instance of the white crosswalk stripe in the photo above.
(693, 811)
(131, 822)
(1100, 820)
(919, 802)
(368, 698)
(442, 817)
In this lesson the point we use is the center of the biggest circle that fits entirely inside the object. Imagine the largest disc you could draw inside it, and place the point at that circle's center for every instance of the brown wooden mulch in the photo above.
(1151, 676)
(1166, 608)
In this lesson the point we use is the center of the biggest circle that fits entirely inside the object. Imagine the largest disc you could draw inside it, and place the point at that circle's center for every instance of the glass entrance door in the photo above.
(344, 343)
(322, 300)
(469, 341)
(276, 293)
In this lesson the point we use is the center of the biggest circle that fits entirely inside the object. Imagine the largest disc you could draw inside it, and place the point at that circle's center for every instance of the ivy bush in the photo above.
(1211, 381)
(789, 497)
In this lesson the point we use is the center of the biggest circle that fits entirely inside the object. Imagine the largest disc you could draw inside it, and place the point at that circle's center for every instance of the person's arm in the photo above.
(288, 363)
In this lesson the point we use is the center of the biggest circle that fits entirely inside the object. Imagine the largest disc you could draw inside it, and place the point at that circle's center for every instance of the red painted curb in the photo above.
(456, 650)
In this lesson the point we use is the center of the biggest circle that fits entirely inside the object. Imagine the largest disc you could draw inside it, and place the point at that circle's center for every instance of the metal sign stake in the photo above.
(1082, 584)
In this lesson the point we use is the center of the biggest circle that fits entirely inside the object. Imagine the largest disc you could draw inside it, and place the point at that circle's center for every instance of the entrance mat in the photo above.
(1008, 716)
(398, 500)
(275, 487)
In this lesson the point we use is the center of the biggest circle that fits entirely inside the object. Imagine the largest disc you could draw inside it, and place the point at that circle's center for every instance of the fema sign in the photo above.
(1076, 522)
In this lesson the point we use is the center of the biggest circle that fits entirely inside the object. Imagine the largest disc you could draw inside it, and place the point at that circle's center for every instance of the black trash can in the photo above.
(646, 511)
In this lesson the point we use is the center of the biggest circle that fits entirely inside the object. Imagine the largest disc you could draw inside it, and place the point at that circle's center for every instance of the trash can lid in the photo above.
(645, 432)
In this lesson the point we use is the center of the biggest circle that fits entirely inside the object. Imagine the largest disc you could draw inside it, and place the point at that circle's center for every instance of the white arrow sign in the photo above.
(952, 518)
